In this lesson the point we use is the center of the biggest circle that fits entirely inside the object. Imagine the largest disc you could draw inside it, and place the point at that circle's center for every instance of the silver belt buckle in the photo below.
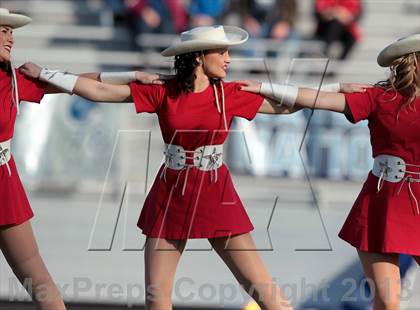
(175, 156)
(206, 158)
(211, 157)
(5, 154)
(390, 168)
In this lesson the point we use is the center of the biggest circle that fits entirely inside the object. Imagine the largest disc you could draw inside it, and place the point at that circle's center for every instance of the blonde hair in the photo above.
(404, 79)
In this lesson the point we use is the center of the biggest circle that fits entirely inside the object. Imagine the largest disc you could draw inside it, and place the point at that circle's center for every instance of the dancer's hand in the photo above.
(250, 86)
(152, 78)
(353, 87)
(31, 70)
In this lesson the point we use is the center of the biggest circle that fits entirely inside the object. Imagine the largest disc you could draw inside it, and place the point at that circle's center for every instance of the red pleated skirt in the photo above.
(206, 209)
(386, 221)
(14, 205)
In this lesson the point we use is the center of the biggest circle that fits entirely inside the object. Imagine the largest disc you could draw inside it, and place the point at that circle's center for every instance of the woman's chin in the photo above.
(218, 75)
(4, 57)
(221, 75)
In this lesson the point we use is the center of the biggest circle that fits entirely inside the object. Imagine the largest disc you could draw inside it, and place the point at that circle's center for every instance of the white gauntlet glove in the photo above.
(287, 94)
(62, 80)
(333, 88)
(119, 78)
(282, 94)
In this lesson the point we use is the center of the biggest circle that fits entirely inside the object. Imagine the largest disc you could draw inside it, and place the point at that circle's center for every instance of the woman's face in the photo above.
(215, 62)
(6, 43)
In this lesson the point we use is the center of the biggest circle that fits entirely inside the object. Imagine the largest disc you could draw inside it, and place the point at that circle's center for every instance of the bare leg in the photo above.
(161, 258)
(383, 272)
(20, 249)
(240, 255)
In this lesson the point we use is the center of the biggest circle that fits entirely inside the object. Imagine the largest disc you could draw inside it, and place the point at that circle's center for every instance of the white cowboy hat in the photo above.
(13, 20)
(401, 47)
(204, 38)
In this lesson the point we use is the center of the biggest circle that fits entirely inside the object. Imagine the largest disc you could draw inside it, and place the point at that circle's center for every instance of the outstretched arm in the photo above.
(288, 99)
(85, 87)
(309, 98)
(102, 92)
(126, 77)
(270, 106)
(51, 89)
(117, 78)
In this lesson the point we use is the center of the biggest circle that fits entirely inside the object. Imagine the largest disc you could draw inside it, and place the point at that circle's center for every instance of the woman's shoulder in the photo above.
(387, 100)
(233, 88)
(231, 85)
(382, 94)
(169, 86)
(376, 90)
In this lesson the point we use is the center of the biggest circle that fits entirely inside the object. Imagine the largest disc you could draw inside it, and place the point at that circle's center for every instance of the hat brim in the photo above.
(235, 36)
(14, 20)
(407, 45)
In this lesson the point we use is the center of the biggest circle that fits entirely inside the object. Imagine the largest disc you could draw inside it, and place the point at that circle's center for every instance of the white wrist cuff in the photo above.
(334, 87)
(64, 81)
(283, 94)
(120, 78)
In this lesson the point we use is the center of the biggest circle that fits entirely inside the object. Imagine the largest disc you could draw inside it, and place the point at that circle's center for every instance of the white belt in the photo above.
(205, 158)
(394, 169)
(5, 155)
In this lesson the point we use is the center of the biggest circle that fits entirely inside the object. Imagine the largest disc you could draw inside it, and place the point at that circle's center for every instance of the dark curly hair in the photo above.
(184, 67)
(7, 67)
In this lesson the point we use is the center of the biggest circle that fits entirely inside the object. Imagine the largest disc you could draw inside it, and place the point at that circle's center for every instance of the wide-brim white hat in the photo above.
(205, 38)
(13, 20)
(399, 48)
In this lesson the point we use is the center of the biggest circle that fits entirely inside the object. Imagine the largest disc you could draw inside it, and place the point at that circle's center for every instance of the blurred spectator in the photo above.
(281, 20)
(264, 18)
(338, 22)
(156, 16)
(205, 12)
(118, 8)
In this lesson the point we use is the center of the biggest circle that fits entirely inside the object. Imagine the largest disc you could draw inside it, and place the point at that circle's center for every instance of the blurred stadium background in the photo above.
(87, 166)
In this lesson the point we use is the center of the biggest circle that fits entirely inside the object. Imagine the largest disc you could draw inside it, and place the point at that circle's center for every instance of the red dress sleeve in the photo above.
(30, 89)
(361, 105)
(353, 6)
(241, 103)
(147, 98)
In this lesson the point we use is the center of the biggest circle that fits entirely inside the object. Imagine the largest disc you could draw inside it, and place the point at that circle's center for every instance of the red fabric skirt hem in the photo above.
(17, 221)
(384, 221)
(196, 235)
(358, 244)
(14, 205)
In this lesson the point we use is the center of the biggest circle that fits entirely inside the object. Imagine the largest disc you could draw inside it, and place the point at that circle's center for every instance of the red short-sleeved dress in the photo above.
(14, 205)
(207, 209)
(386, 221)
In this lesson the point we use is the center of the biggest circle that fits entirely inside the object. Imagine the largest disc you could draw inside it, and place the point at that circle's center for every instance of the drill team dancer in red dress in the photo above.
(193, 195)
(17, 240)
(385, 219)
